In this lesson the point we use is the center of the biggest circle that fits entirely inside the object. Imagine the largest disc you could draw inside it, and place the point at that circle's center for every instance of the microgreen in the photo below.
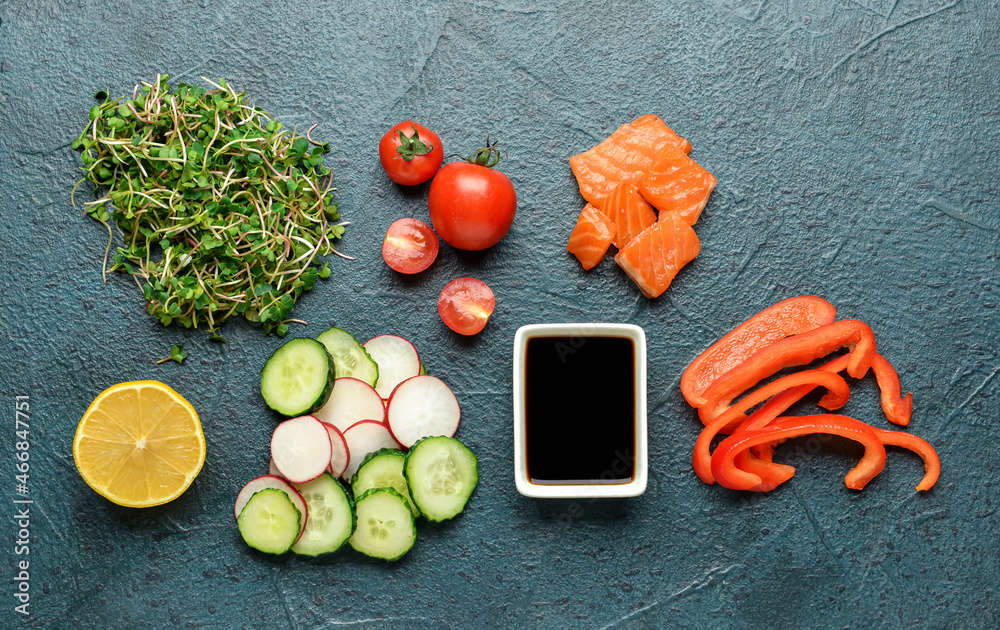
(221, 210)
(177, 354)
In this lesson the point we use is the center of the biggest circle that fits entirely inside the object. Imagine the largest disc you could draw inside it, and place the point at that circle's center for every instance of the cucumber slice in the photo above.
(277, 483)
(386, 528)
(298, 378)
(350, 356)
(331, 516)
(383, 469)
(269, 522)
(442, 473)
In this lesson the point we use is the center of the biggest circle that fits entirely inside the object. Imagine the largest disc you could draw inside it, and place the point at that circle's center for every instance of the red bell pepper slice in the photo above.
(800, 349)
(932, 463)
(788, 317)
(758, 460)
(897, 410)
(838, 393)
(728, 475)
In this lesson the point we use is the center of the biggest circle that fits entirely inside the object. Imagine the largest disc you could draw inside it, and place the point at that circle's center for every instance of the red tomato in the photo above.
(410, 246)
(466, 304)
(471, 206)
(410, 153)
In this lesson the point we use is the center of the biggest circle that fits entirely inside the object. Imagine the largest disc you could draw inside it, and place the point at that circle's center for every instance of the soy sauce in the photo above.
(580, 410)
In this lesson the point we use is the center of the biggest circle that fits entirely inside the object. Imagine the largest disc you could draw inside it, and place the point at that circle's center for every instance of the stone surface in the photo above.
(856, 147)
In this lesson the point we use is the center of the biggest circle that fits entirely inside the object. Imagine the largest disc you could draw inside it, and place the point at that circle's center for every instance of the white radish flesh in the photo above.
(301, 449)
(341, 456)
(397, 361)
(422, 406)
(352, 401)
(265, 482)
(272, 469)
(362, 438)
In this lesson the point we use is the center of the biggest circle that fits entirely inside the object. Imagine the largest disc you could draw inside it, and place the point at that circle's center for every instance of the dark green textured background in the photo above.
(856, 147)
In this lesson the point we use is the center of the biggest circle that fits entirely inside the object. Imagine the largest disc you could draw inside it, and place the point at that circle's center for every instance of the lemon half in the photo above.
(139, 444)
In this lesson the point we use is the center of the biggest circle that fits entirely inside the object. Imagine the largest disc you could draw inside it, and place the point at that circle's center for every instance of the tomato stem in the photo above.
(412, 146)
(488, 156)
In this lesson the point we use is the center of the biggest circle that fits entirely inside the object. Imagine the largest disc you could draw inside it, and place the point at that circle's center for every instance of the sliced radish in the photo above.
(265, 482)
(272, 469)
(397, 361)
(341, 456)
(301, 449)
(352, 401)
(362, 438)
(422, 406)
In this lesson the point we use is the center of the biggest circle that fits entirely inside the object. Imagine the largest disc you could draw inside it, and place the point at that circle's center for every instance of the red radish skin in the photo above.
(397, 361)
(422, 406)
(265, 482)
(352, 401)
(301, 449)
(340, 458)
(365, 437)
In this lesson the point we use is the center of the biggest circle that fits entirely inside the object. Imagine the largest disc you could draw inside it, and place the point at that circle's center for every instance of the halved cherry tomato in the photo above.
(410, 246)
(410, 153)
(466, 304)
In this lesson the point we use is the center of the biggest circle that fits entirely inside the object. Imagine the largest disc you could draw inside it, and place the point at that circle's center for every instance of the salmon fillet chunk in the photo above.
(591, 237)
(629, 212)
(653, 258)
(624, 157)
(676, 183)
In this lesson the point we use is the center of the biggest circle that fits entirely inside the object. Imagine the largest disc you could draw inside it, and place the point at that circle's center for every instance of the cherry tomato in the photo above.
(471, 204)
(410, 246)
(410, 153)
(466, 304)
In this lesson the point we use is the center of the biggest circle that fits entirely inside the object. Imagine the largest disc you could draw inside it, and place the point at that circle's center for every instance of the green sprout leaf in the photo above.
(177, 354)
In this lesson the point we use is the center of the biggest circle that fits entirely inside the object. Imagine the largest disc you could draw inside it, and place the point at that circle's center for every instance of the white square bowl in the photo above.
(631, 488)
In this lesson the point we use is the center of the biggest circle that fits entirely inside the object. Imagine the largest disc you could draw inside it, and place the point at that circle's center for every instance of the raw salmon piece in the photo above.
(676, 183)
(654, 257)
(591, 237)
(630, 213)
(624, 156)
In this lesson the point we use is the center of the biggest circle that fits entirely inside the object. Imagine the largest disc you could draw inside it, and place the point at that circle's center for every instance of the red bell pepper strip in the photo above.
(800, 349)
(772, 475)
(758, 459)
(771, 410)
(897, 410)
(728, 475)
(788, 317)
(932, 463)
(838, 393)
